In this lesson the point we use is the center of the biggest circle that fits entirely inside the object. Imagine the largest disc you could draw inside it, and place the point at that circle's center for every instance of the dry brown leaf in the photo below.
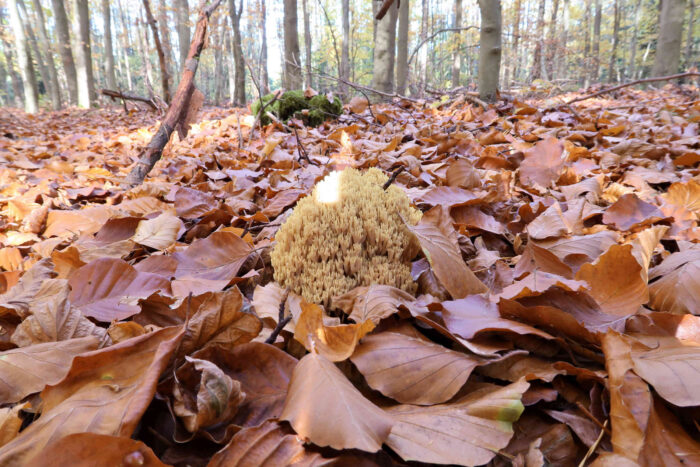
(543, 163)
(160, 232)
(438, 240)
(630, 212)
(17, 299)
(376, 302)
(10, 423)
(324, 407)
(677, 287)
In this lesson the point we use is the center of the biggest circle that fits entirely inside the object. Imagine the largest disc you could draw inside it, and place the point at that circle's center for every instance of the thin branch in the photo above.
(301, 150)
(126, 96)
(383, 9)
(594, 446)
(625, 85)
(361, 88)
(431, 37)
(335, 44)
(281, 322)
(392, 179)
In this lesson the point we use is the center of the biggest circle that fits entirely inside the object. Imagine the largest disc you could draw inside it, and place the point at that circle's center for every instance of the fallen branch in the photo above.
(392, 179)
(625, 85)
(362, 88)
(383, 9)
(177, 111)
(281, 322)
(128, 97)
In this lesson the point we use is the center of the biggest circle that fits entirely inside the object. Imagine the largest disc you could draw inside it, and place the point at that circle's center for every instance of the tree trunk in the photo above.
(516, 40)
(552, 41)
(423, 79)
(616, 39)
(457, 52)
(24, 59)
(631, 67)
(217, 28)
(595, 69)
(45, 44)
(668, 47)
(307, 44)
(689, 37)
(384, 50)
(489, 49)
(83, 55)
(537, 63)
(345, 49)
(16, 80)
(238, 62)
(164, 76)
(5, 91)
(292, 59)
(34, 50)
(264, 79)
(182, 14)
(563, 55)
(165, 38)
(109, 51)
(402, 47)
(62, 31)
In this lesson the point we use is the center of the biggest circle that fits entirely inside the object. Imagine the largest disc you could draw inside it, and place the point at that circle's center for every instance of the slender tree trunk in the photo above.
(457, 52)
(83, 55)
(595, 69)
(238, 62)
(552, 40)
(64, 47)
(292, 58)
(217, 29)
(423, 79)
(5, 91)
(45, 44)
(34, 50)
(264, 79)
(230, 65)
(516, 40)
(384, 50)
(17, 94)
(182, 14)
(689, 37)
(668, 47)
(307, 44)
(345, 48)
(537, 63)
(24, 59)
(489, 49)
(563, 55)
(402, 47)
(616, 39)
(109, 52)
(165, 38)
(164, 77)
(126, 47)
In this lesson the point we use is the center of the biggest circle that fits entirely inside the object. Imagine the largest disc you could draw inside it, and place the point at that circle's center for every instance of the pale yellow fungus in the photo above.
(348, 233)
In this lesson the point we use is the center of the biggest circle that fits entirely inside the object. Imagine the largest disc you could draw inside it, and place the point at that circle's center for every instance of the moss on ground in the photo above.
(312, 111)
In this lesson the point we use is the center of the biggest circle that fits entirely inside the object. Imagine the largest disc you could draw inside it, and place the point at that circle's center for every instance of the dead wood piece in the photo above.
(128, 97)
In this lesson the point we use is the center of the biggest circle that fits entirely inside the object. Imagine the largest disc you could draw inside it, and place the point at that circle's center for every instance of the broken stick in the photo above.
(177, 111)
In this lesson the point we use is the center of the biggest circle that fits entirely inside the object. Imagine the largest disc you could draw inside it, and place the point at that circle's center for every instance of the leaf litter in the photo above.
(556, 310)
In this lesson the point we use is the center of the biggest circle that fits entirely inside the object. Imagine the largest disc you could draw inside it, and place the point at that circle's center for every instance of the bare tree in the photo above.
(64, 48)
(182, 14)
(83, 54)
(264, 79)
(489, 49)
(424, 54)
(384, 50)
(238, 62)
(165, 38)
(46, 49)
(552, 40)
(345, 54)
(307, 43)
(292, 59)
(595, 68)
(457, 52)
(668, 47)
(24, 59)
(109, 53)
(35, 53)
(164, 76)
(402, 47)
(689, 37)
(516, 40)
(616, 39)
(537, 61)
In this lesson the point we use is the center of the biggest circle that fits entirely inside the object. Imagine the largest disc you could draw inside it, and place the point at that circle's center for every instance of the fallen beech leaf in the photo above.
(281, 200)
(411, 370)
(269, 444)
(450, 196)
(158, 233)
(469, 316)
(630, 212)
(204, 395)
(17, 299)
(107, 289)
(267, 300)
(10, 423)
(469, 431)
(121, 331)
(10, 259)
(678, 285)
(615, 281)
(69, 223)
(590, 246)
(438, 240)
(673, 368)
(324, 407)
(105, 392)
(462, 174)
(264, 372)
(29, 369)
(53, 318)
(358, 104)
(96, 449)
(543, 163)
(209, 264)
(549, 224)
(376, 302)
(686, 195)
(522, 366)
(219, 319)
(585, 429)
(191, 204)
(667, 442)
(336, 343)
(643, 245)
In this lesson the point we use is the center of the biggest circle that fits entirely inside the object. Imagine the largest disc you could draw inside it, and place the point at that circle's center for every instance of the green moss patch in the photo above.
(312, 111)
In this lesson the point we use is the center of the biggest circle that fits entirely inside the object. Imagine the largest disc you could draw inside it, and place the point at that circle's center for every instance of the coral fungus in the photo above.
(348, 233)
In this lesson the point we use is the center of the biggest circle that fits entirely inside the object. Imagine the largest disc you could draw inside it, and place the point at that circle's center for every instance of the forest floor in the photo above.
(555, 318)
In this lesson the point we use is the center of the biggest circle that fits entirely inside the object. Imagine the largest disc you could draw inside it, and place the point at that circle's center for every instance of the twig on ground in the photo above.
(301, 150)
(594, 446)
(281, 322)
(625, 85)
(392, 179)
(126, 96)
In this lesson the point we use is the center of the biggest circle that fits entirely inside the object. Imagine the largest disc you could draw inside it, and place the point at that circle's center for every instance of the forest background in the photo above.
(431, 46)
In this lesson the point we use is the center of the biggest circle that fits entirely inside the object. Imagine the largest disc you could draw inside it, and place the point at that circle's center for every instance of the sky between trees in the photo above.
(422, 47)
